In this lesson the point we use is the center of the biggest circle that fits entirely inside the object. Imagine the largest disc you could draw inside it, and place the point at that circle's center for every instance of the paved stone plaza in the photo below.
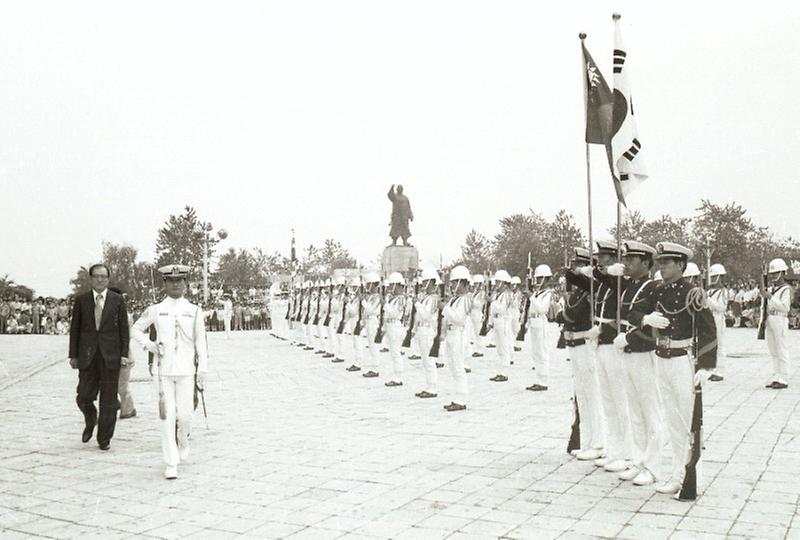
(299, 448)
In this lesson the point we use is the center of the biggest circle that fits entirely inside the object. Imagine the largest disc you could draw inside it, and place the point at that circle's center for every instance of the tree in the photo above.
(519, 235)
(127, 275)
(322, 261)
(242, 269)
(8, 288)
(180, 241)
(563, 235)
(476, 253)
(631, 227)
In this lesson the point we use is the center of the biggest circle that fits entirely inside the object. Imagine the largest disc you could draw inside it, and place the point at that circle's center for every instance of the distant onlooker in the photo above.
(5, 311)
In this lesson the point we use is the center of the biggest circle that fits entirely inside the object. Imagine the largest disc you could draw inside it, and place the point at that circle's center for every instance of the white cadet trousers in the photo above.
(374, 352)
(424, 339)
(476, 341)
(777, 330)
(334, 339)
(587, 394)
(357, 342)
(719, 322)
(227, 321)
(321, 332)
(454, 345)
(676, 383)
(539, 355)
(179, 401)
(644, 407)
(503, 340)
(395, 332)
(611, 384)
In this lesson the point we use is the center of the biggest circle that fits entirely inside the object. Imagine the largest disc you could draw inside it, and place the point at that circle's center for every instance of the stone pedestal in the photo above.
(403, 259)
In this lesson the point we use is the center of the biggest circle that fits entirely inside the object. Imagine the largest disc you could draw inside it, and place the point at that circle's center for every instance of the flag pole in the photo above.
(582, 37)
(619, 260)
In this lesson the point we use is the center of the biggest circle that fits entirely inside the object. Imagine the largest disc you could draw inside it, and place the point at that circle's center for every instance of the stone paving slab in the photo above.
(299, 448)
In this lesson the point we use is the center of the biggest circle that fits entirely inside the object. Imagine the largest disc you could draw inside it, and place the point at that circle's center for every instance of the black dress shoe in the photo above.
(87, 433)
(779, 386)
(771, 385)
(354, 368)
(337, 360)
(536, 388)
(477, 355)
(491, 346)
(131, 415)
(467, 370)
(517, 349)
(455, 407)
(104, 446)
(308, 348)
(425, 394)
(393, 383)
(414, 357)
(715, 378)
(439, 365)
(319, 352)
(511, 362)
(384, 349)
(370, 374)
(499, 378)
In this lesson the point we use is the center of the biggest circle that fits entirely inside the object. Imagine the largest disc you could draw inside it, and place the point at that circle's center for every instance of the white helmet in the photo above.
(355, 282)
(341, 280)
(716, 270)
(691, 270)
(372, 277)
(542, 271)
(657, 276)
(477, 278)
(777, 265)
(460, 272)
(430, 274)
(502, 275)
(515, 280)
(395, 277)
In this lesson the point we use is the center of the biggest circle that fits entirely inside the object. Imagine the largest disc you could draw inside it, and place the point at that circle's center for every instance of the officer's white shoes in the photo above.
(616, 466)
(602, 461)
(589, 454)
(171, 473)
(630, 474)
(644, 478)
(669, 487)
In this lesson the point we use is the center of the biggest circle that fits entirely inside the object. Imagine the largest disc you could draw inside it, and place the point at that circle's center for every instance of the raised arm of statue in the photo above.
(391, 193)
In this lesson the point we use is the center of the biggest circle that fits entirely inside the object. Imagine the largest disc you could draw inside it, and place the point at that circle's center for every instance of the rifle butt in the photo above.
(407, 340)
(434, 353)
(574, 442)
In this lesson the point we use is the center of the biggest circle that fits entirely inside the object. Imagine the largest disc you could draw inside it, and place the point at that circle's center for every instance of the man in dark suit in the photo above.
(98, 346)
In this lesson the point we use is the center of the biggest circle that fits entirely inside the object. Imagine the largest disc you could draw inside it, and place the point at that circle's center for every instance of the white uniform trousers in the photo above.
(321, 333)
(587, 394)
(611, 384)
(539, 355)
(504, 342)
(454, 345)
(178, 398)
(644, 407)
(307, 338)
(777, 333)
(719, 322)
(676, 384)
(227, 321)
(395, 332)
(357, 343)
(334, 339)
(424, 339)
(374, 352)
(476, 341)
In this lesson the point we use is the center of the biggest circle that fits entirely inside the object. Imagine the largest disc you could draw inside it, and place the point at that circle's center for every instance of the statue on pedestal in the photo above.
(401, 215)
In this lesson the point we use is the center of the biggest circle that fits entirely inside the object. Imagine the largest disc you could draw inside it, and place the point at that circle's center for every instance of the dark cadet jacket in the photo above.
(636, 300)
(576, 315)
(111, 339)
(605, 304)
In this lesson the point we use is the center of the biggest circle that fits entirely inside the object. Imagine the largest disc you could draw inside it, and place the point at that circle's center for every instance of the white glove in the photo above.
(593, 333)
(616, 269)
(586, 271)
(655, 320)
(701, 377)
(151, 347)
(201, 380)
(620, 341)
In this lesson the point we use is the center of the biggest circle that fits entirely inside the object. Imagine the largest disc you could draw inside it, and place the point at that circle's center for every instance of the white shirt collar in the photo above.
(96, 294)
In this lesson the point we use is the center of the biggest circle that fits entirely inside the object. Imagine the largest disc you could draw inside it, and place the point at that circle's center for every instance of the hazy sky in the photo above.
(272, 115)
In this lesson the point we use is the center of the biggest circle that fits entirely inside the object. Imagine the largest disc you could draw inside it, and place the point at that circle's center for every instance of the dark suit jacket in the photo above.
(113, 336)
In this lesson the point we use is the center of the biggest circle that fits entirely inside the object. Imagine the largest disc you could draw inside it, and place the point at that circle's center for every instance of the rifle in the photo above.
(359, 294)
(688, 490)
(575, 435)
(410, 331)
(379, 333)
(438, 339)
(319, 300)
(523, 328)
(308, 309)
(340, 328)
(328, 315)
(762, 322)
(486, 308)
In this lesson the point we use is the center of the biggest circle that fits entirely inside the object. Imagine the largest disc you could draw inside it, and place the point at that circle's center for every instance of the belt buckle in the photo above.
(664, 342)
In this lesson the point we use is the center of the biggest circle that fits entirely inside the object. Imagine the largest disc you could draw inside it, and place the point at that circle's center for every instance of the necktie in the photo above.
(98, 311)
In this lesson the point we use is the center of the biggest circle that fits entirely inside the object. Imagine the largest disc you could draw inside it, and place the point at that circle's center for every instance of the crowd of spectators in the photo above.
(40, 316)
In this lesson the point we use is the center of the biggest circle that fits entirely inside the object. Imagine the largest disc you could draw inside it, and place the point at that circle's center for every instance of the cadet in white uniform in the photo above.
(336, 317)
(370, 311)
(455, 316)
(502, 311)
(425, 319)
(181, 354)
(353, 321)
(541, 299)
(779, 301)
(519, 303)
(718, 304)
(394, 309)
(227, 314)
(322, 314)
(476, 315)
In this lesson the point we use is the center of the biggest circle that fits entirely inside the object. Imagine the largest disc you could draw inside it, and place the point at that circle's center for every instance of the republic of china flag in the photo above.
(627, 165)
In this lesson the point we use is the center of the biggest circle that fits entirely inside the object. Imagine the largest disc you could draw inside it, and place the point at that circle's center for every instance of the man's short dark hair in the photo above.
(98, 265)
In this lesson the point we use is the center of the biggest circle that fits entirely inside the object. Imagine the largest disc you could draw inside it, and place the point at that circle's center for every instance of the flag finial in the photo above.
(582, 36)
(616, 16)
